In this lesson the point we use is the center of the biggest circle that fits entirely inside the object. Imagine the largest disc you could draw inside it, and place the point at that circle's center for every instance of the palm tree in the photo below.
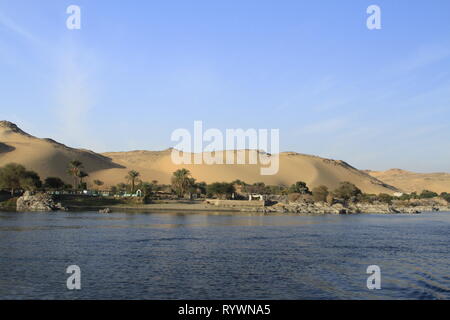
(82, 175)
(74, 170)
(132, 177)
(182, 181)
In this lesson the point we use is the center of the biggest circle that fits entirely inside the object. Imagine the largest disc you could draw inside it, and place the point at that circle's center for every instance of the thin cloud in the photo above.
(76, 92)
(12, 26)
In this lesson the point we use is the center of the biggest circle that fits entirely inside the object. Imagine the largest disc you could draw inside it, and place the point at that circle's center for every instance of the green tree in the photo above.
(83, 175)
(113, 190)
(405, 197)
(74, 170)
(299, 187)
(182, 181)
(445, 196)
(201, 187)
(320, 193)
(132, 177)
(147, 188)
(30, 181)
(53, 183)
(14, 176)
(122, 187)
(427, 194)
(221, 189)
(347, 191)
(10, 176)
(414, 195)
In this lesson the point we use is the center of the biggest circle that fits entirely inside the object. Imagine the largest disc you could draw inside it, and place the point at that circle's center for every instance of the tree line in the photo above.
(15, 177)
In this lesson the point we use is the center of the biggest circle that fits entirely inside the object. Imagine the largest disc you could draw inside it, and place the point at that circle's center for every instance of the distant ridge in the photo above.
(11, 128)
(414, 182)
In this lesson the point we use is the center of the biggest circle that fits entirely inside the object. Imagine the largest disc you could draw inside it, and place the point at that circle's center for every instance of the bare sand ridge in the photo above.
(50, 158)
(412, 181)
(45, 156)
(294, 167)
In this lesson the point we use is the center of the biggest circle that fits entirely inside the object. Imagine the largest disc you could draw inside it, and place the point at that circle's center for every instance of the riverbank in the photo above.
(41, 202)
(279, 208)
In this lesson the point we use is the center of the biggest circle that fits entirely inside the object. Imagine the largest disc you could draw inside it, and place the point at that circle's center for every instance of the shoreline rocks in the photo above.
(39, 202)
(105, 211)
(320, 208)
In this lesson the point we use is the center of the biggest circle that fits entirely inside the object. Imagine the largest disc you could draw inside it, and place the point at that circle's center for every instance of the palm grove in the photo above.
(15, 178)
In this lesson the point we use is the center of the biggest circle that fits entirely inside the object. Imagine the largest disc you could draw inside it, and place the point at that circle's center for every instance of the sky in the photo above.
(138, 70)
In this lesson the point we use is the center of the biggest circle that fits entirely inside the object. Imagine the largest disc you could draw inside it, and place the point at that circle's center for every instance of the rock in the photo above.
(106, 210)
(39, 202)
(300, 206)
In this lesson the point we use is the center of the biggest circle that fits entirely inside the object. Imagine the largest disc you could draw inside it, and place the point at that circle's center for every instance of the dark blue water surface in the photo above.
(223, 256)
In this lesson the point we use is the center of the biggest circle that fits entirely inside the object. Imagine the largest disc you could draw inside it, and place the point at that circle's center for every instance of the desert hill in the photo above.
(411, 181)
(45, 156)
(294, 167)
(50, 158)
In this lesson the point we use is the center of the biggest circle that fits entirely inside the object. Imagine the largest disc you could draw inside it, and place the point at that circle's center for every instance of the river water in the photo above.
(223, 256)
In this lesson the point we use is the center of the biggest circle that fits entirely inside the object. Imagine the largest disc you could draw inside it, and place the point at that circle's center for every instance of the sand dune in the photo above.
(294, 167)
(45, 156)
(50, 158)
(411, 181)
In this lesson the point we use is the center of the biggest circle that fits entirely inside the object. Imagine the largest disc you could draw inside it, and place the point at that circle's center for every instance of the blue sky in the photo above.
(138, 70)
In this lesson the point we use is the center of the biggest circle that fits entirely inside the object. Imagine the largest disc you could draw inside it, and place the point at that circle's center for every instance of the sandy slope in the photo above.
(50, 158)
(45, 156)
(293, 167)
(412, 181)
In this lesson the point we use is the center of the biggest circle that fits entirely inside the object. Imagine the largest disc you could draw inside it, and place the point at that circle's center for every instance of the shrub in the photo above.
(299, 187)
(14, 176)
(113, 190)
(368, 198)
(278, 190)
(294, 197)
(427, 194)
(445, 196)
(53, 183)
(320, 193)
(414, 195)
(330, 199)
(258, 187)
(347, 191)
(405, 197)
(385, 198)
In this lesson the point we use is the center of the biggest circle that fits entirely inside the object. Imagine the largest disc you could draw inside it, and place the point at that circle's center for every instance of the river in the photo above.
(135, 255)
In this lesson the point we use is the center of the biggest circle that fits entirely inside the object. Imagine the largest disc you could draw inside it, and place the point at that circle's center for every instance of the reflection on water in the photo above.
(137, 255)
